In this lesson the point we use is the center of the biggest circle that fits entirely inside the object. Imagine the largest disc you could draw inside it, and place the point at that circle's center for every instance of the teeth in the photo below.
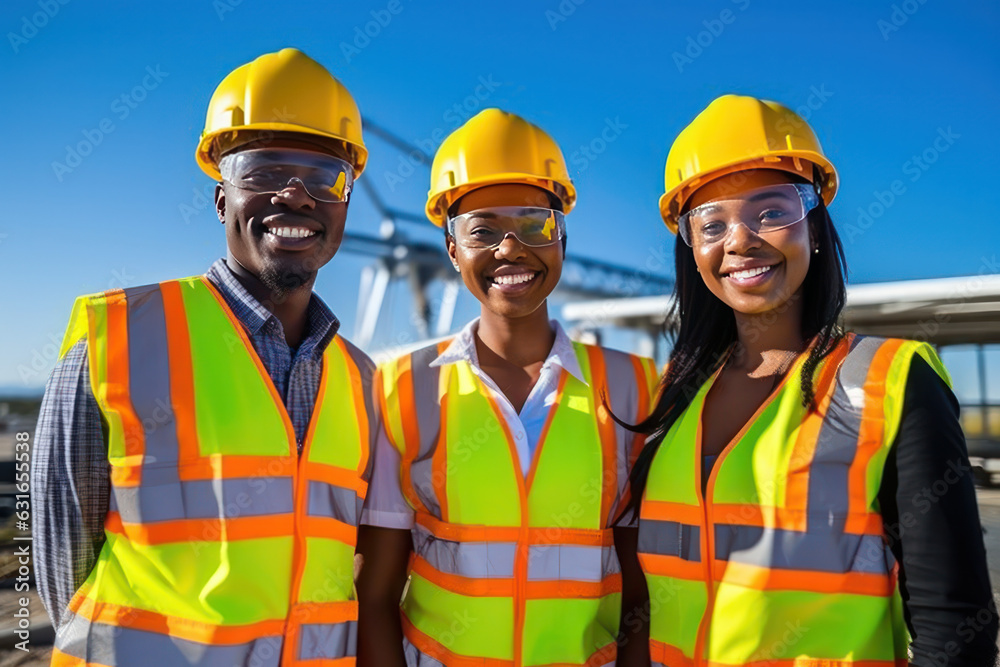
(513, 280)
(291, 232)
(749, 273)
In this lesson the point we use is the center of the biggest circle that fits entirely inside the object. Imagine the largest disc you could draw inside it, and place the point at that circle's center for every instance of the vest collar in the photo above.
(463, 348)
(253, 315)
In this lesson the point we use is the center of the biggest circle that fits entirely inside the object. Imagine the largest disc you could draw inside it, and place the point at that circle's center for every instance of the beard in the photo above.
(281, 280)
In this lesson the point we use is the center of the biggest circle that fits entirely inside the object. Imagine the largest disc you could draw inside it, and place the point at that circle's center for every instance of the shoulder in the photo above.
(888, 374)
(123, 295)
(360, 359)
(393, 370)
(420, 358)
(878, 360)
(612, 356)
(619, 362)
(89, 309)
(630, 378)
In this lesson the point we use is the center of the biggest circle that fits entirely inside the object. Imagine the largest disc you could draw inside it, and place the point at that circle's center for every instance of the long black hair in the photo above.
(703, 329)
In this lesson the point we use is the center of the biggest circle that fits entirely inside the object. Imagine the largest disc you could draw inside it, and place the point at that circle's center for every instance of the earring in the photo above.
(455, 264)
(816, 251)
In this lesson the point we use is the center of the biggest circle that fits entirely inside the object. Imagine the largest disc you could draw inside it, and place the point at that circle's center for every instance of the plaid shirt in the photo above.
(70, 476)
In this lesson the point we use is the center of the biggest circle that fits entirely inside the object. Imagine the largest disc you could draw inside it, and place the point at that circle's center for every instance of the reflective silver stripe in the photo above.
(670, 538)
(428, 410)
(328, 500)
(481, 560)
(495, 560)
(571, 562)
(623, 387)
(328, 641)
(366, 370)
(622, 384)
(823, 548)
(120, 646)
(162, 496)
(837, 442)
(156, 500)
(414, 658)
(149, 377)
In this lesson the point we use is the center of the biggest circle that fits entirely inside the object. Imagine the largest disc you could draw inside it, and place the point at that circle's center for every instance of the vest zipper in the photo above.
(705, 498)
(706, 545)
(706, 552)
(289, 648)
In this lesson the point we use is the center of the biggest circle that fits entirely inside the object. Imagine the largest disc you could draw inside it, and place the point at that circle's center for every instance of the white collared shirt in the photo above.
(526, 426)
(385, 505)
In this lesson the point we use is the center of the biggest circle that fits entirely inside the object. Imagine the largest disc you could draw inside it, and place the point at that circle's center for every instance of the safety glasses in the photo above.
(762, 210)
(267, 170)
(486, 228)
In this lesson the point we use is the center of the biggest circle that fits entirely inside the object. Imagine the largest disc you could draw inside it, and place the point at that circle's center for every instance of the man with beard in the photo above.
(202, 451)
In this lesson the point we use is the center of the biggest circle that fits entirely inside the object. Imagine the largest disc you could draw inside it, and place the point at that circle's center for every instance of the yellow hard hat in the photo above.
(496, 147)
(736, 133)
(285, 91)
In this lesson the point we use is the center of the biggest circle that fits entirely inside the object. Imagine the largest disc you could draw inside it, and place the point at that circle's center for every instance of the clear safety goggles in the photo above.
(324, 177)
(762, 210)
(486, 228)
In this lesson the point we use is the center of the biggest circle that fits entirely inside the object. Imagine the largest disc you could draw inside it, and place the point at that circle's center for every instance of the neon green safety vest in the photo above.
(223, 545)
(783, 560)
(508, 570)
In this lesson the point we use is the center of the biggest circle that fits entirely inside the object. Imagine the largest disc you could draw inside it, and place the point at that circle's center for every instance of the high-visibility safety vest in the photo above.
(508, 570)
(782, 560)
(224, 545)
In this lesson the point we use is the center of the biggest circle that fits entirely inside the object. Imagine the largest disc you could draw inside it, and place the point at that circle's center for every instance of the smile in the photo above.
(513, 279)
(750, 277)
(750, 273)
(291, 232)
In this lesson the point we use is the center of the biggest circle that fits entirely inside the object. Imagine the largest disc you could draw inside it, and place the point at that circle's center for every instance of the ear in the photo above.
(449, 242)
(813, 238)
(220, 202)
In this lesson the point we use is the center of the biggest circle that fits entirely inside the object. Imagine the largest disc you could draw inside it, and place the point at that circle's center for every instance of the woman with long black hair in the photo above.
(790, 496)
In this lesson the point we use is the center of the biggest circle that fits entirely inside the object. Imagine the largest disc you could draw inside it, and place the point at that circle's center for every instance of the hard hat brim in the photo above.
(672, 202)
(208, 162)
(439, 202)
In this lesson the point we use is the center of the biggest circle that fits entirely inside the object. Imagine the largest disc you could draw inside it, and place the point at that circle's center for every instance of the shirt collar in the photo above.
(463, 348)
(252, 314)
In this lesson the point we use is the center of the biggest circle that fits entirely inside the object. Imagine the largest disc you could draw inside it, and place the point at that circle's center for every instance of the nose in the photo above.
(294, 195)
(740, 238)
(510, 248)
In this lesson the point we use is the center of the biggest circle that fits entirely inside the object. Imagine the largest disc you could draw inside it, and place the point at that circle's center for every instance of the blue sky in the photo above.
(881, 82)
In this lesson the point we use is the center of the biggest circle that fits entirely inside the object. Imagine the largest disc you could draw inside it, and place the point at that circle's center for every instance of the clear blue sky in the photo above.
(879, 95)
